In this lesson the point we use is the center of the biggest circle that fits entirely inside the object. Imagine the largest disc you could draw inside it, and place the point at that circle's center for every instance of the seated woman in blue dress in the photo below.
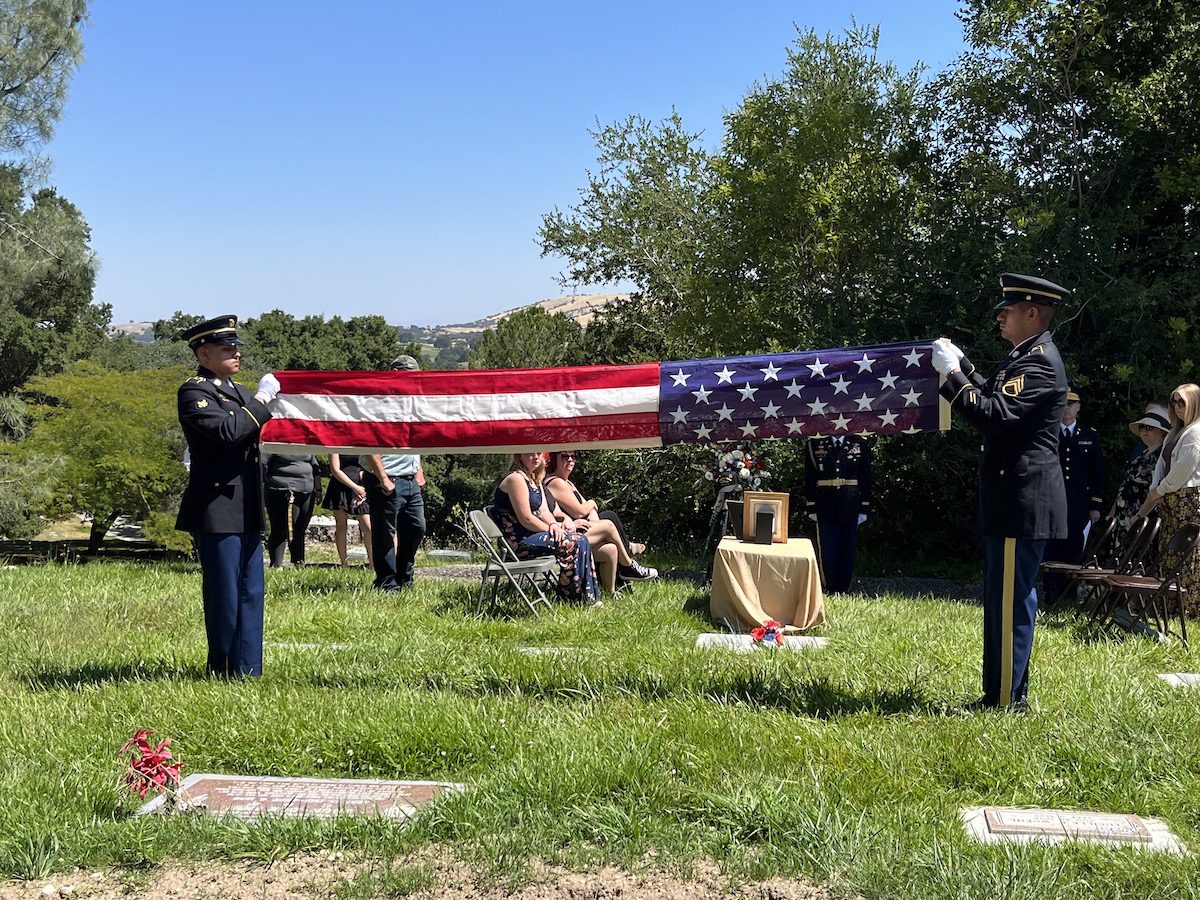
(525, 520)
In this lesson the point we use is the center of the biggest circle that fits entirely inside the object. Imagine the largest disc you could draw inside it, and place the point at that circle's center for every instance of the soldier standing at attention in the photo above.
(1022, 502)
(837, 496)
(1082, 463)
(222, 505)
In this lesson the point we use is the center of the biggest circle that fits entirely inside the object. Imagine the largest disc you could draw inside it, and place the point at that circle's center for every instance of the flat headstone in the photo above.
(286, 645)
(743, 643)
(1007, 824)
(555, 651)
(1181, 679)
(249, 796)
(449, 554)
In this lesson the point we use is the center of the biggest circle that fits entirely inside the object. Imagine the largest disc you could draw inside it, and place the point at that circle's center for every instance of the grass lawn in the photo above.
(845, 766)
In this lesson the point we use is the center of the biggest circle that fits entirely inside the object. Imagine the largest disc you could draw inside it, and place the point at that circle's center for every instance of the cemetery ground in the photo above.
(631, 764)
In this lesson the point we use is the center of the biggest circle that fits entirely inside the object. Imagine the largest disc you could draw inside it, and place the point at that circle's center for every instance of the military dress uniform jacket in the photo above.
(1019, 412)
(221, 422)
(837, 480)
(1082, 462)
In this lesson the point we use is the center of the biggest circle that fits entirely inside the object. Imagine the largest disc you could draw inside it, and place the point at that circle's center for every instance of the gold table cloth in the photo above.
(755, 582)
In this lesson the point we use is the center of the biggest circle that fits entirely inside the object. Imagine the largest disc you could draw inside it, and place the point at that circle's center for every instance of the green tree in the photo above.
(40, 46)
(47, 272)
(529, 338)
(116, 437)
(277, 340)
(171, 329)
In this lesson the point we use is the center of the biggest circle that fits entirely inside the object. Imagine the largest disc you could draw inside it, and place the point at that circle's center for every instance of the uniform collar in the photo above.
(1028, 344)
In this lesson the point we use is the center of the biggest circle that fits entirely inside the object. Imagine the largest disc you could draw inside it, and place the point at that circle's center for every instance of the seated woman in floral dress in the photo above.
(525, 520)
(1152, 428)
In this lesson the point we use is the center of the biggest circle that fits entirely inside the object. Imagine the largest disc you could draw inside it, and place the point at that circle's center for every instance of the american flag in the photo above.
(887, 389)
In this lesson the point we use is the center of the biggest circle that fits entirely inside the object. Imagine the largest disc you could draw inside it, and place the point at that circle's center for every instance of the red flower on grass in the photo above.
(151, 766)
(768, 634)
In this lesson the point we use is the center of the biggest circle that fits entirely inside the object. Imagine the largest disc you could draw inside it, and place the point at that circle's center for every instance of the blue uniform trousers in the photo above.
(397, 527)
(1010, 571)
(837, 554)
(232, 567)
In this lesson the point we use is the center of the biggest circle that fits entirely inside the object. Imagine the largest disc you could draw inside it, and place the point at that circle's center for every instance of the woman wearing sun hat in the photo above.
(1151, 428)
(1177, 491)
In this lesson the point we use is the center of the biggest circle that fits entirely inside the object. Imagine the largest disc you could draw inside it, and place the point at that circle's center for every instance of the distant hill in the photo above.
(581, 308)
(142, 332)
(578, 307)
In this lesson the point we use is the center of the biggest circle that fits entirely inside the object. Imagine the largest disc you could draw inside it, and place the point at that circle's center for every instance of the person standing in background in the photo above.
(837, 496)
(292, 485)
(345, 497)
(1082, 462)
(393, 483)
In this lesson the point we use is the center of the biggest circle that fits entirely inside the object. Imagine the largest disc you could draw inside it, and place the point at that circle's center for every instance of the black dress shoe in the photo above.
(978, 705)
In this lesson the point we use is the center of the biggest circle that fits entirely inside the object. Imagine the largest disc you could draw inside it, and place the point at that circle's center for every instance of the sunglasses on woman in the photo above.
(1177, 401)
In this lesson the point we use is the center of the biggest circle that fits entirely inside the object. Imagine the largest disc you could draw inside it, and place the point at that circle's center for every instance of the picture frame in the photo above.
(754, 502)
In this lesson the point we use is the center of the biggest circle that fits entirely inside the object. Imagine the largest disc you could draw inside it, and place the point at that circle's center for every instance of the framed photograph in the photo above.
(754, 502)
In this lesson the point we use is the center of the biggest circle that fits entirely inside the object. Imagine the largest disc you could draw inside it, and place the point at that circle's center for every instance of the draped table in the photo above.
(755, 582)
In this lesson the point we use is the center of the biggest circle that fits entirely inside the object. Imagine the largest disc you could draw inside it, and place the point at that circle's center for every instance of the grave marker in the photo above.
(249, 796)
(743, 643)
(1004, 824)
(1181, 679)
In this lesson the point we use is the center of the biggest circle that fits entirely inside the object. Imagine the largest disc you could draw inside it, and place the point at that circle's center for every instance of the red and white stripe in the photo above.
(491, 411)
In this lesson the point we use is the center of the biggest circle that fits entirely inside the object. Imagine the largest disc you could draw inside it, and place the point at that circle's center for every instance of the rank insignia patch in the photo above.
(1013, 386)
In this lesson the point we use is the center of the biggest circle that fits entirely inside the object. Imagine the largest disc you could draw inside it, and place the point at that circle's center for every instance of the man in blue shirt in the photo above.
(393, 482)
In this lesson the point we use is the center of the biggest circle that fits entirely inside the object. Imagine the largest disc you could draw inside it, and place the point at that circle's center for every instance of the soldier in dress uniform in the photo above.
(1022, 501)
(1082, 462)
(837, 496)
(222, 506)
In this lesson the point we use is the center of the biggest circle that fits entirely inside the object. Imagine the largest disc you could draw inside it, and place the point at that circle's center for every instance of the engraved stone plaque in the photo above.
(1066, 823)
(743, 643)
(249, 796)
(1000, 824)
(1181, 679)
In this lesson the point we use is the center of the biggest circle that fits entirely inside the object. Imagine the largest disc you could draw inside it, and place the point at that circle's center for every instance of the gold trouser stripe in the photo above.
(291, 502)
(1006, 620)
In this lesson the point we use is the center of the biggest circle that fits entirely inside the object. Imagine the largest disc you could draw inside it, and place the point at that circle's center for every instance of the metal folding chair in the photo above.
(1093, 559)
(1138, 549)
(523, 575)
(1151, 599)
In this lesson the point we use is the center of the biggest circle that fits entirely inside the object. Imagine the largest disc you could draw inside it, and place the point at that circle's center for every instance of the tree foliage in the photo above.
(530, 338)
(47, 271)
(40, 46)
(116, 438)
(848, 202)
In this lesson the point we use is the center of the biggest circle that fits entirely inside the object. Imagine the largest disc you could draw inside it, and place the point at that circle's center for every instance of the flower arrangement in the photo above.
(737, 465)
(769, 634)
(152, 767)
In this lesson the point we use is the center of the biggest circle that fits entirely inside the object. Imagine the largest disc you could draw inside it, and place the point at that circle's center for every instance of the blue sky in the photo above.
(387, 158)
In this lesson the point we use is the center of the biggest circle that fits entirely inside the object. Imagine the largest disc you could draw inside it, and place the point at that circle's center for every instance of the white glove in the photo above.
(946, 357)
(862, 517)
(813, 516)
(268, 388)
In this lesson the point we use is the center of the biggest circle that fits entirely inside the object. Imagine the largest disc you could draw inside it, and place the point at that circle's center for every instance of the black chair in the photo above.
(1139, 547)
(1094, 558)
(1151, 599)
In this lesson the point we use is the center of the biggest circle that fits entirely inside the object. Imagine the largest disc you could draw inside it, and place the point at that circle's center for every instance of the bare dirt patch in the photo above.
(422, 877)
